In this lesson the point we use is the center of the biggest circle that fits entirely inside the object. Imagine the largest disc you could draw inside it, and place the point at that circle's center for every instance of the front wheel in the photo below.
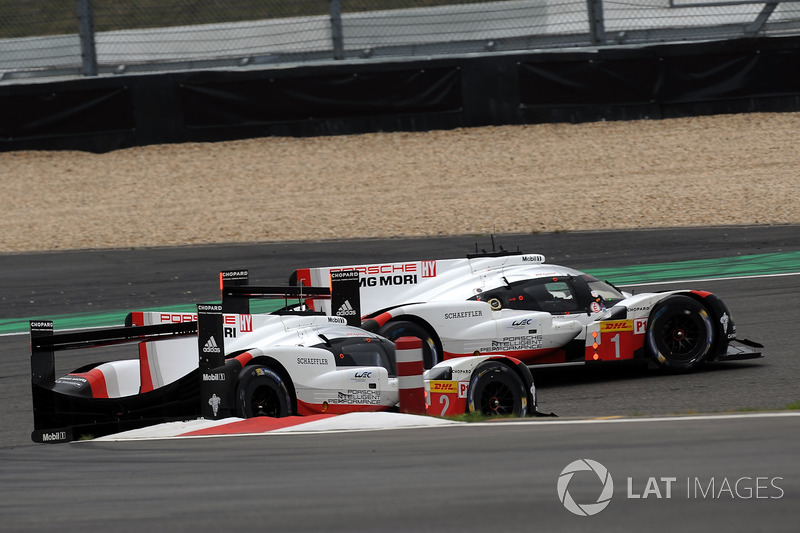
(261, 392)
(680, 333)
(403, 328)
(496, 390)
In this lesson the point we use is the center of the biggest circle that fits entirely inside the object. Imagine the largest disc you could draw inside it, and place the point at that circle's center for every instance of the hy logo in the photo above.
(586, 509)
(211, 346)
(346, 309)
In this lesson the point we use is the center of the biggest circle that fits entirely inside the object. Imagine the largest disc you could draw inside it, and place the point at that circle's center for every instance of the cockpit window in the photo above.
(607, 292)
(553, 295)
(361, 352)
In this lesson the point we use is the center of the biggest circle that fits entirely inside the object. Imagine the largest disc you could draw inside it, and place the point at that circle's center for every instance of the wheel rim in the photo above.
(265, 402)
(682, 336)
(497, 399)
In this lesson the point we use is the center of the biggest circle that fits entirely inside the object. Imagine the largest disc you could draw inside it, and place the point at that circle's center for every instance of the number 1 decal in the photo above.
(615, 340)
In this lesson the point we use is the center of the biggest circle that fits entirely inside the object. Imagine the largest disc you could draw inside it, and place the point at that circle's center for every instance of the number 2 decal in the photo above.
(446, 401)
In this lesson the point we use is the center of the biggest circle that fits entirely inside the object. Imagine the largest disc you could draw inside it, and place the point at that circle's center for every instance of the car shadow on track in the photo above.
(553, 377)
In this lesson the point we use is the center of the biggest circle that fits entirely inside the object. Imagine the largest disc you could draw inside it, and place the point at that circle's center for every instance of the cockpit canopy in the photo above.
(558, 295)
(362, 351)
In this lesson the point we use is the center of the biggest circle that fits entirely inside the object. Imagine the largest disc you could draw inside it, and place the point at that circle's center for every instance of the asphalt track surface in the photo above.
(476, 477)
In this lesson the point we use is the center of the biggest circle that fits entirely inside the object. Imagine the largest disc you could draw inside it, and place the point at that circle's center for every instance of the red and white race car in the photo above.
(515, 304)
(224, 361)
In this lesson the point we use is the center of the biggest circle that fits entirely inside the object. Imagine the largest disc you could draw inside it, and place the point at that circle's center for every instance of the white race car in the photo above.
(219, 364)
(515, 304)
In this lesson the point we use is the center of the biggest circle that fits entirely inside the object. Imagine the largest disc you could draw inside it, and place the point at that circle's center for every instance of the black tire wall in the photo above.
(105, 113)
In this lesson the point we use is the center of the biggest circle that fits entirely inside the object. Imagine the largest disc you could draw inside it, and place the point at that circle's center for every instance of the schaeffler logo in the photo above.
(585, 509)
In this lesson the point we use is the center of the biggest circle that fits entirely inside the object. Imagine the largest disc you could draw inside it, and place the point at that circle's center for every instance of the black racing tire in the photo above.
(262, 392)
(680, 333)
(431, 353)
(496, 390)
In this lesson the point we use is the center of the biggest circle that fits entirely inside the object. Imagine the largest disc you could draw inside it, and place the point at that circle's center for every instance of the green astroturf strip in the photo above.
(725, 267)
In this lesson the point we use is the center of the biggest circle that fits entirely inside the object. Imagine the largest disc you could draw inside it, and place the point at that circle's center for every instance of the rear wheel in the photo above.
(680, 333)
(496, 390)
(431, 355)
(262, 392)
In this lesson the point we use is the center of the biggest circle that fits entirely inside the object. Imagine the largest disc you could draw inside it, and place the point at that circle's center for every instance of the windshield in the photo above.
(604, 290)
(362, 351)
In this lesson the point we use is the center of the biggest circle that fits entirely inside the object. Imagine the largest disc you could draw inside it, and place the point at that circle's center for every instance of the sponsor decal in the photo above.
(211, 346)
(336, 320)
(616, 325)
(462, 314)
(724, 319)
(234, 274)
(373, 270)
(358, 397)
(510, 344)
(217, 376)
(45, 324)
(177, 318)
(246, 323)
(54, 436)
(444, 387)
(212, 308)
(383, 281)
(535, 258)
(214, 402)
(344, 274)
(346, 309)
(74, 381)
(428, 269)
(311, 361)
(639, 309)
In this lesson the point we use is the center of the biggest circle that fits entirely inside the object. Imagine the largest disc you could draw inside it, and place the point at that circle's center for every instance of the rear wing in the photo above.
(45, 342)
(342, 292)
(56, 415)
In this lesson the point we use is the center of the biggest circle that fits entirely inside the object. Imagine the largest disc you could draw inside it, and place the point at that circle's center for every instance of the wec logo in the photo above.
(586, 509)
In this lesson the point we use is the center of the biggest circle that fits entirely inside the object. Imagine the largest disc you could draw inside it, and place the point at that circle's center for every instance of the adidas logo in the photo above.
(346, 309)
(211, 346)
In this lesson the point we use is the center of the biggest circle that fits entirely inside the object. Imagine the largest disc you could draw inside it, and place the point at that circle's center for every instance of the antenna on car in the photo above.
(495, 252)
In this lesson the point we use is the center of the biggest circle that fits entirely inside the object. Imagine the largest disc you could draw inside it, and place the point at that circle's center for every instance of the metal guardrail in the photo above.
(161, 36)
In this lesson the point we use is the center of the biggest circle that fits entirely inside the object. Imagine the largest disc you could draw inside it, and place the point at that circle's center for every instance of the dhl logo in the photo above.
(444, 387)
(616, 325)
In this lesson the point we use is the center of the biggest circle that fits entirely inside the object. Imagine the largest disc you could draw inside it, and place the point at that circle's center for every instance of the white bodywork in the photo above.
(443, 296)
(293, 342)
